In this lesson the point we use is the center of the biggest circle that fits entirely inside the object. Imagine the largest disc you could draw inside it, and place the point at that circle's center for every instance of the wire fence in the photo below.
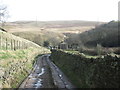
(11, 42)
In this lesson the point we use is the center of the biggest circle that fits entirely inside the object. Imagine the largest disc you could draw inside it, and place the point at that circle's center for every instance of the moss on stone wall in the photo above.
(100, 72)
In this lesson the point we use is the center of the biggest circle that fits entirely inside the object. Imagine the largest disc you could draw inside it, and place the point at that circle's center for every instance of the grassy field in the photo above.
(39, 37)
(16, 59)
(16, 65)
(54, 26)
(52, 31)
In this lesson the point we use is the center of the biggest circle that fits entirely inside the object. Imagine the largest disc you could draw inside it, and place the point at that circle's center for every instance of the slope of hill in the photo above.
(57, 26)
(106, 34)
(40, 37)
(17, 56)
(52, 31)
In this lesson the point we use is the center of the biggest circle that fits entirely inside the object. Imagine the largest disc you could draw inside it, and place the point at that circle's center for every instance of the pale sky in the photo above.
(51, 10)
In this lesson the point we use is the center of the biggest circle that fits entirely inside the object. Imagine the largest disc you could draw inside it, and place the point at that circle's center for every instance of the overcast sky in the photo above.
(49, 10)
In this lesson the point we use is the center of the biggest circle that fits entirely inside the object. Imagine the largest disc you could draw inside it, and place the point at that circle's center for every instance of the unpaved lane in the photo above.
(40, 77)
(46, 75)
(60, 80)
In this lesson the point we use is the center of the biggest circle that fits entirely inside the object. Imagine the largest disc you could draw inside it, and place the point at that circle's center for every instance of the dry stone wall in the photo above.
(100, 72)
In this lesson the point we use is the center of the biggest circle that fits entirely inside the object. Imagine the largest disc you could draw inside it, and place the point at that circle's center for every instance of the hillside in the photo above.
(106, 35)
(84, 70)
(62, 26)
(52, 31)
(17, 57)
(40, 37)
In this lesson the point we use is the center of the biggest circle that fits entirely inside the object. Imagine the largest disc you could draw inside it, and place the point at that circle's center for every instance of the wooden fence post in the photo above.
(19, 45)
(11, 44)
(1, 41)
(14, 45)
(6, 44)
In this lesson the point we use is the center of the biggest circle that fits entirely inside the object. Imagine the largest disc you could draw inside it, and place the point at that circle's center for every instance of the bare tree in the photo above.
(3, 14)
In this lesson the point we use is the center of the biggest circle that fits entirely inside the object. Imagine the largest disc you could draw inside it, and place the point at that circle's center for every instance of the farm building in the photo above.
(63, 45)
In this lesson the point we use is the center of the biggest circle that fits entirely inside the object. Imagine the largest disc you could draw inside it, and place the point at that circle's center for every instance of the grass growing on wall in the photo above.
(16, 65)
(88, 72)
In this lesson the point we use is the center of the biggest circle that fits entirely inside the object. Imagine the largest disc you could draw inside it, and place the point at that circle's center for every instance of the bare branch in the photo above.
(3, 14)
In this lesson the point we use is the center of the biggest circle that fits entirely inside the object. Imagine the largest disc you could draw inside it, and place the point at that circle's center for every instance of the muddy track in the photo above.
(46, 75)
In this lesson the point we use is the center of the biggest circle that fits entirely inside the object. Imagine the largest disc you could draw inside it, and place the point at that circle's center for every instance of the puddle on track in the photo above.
(34, 78)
